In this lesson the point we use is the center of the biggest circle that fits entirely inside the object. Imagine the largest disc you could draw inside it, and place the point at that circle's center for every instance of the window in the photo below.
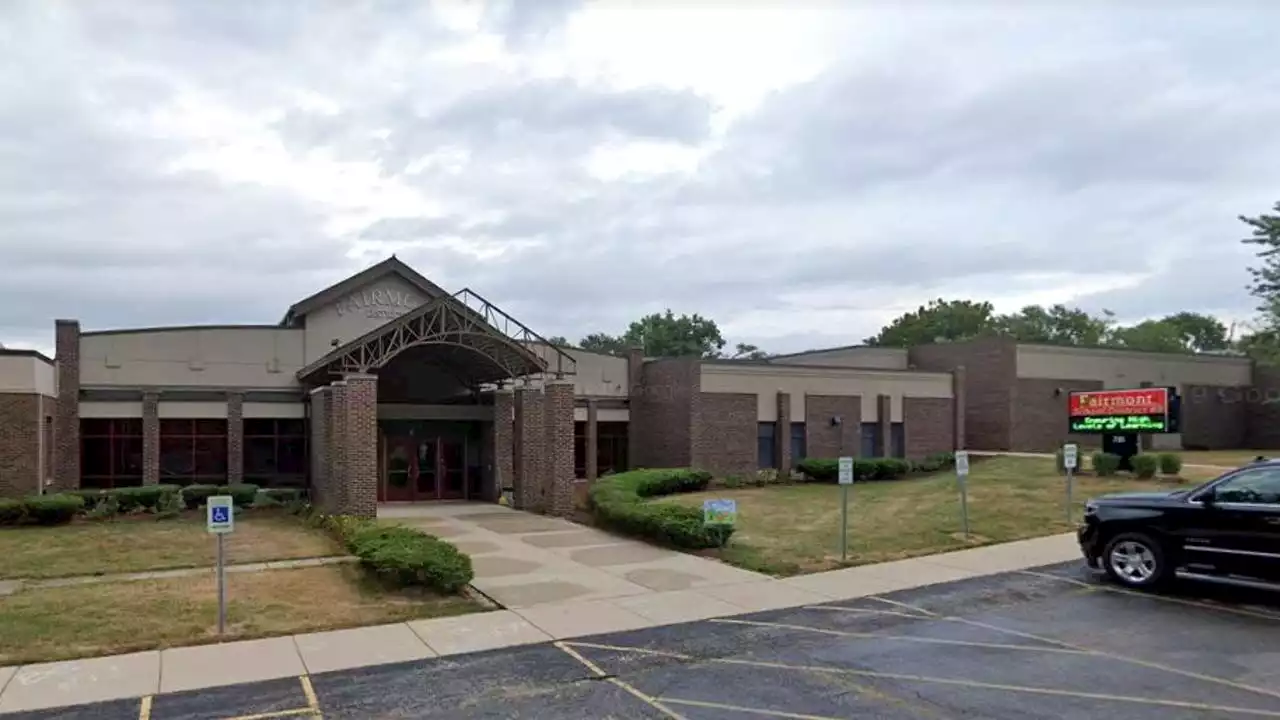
(871, 440)
(611, 448)
(898, 440)
(798, 448)
(275, 452)
(765, 445)
(193, 451)
(110, 452)
(1257, 487)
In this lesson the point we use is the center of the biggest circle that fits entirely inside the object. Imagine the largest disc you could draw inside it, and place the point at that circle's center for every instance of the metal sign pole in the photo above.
(222, 588)
(1070, 460)
(1070, 482)
(844, 523)
(962, 479)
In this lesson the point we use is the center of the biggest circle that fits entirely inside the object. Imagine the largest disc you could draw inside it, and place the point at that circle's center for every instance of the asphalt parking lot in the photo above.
(1052, 643)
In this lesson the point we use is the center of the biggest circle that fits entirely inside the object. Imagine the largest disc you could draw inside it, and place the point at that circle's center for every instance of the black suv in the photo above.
(1226, 530)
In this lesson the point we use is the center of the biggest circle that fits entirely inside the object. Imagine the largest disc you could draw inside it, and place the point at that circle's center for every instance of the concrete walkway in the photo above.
(549, 606)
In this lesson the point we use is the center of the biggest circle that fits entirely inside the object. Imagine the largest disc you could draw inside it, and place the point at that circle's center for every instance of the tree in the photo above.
(604, 344)
(939, 321)
(1199, 333)
(559, 341)
(669, 335)
(1057, 325)
(1266, 277)
(746, 351)
(1149, 336)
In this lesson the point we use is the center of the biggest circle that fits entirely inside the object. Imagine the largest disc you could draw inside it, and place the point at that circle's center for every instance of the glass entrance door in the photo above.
(453, 468)
(424, 468)
(401, 469)
(427, 484)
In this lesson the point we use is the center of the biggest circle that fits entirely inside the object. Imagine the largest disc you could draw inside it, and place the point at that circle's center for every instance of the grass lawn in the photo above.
(1224, 458)
(144, 543)
(795, 529)
(102, 619)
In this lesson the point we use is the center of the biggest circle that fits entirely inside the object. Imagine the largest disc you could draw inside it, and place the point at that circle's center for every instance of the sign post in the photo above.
(220, 519)
(846, 481)
(1070, 460)
(962, 479)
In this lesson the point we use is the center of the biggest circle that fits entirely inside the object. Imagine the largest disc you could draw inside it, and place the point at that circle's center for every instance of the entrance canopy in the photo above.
(462, 334)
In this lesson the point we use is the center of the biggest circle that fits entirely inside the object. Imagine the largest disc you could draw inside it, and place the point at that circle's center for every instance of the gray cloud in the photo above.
(957, 154)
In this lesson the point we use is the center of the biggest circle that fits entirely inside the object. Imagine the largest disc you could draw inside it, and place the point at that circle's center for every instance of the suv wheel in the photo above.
(1135, 560)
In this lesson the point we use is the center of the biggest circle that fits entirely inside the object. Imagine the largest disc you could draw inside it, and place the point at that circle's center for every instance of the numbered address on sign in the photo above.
(220, 516)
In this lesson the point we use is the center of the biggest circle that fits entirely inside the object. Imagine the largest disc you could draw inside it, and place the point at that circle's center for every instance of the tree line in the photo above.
(669, 335)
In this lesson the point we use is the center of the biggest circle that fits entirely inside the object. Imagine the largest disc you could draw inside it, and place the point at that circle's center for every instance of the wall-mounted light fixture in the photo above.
(836, 421)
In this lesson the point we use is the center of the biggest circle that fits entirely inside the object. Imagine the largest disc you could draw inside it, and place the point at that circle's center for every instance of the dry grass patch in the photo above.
(135, 544)
(795, 529)
(71, 622)
(1223, 458)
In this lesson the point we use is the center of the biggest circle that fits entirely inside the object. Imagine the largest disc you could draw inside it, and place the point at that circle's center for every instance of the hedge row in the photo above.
(867, 469)
(400, 556)
(161, 500)
(1145, 465)
(618, 503)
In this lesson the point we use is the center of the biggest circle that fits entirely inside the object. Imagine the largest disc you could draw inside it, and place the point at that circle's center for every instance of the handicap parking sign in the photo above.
(220, 518)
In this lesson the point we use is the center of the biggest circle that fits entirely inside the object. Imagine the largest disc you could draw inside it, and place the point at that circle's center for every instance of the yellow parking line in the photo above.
(144, 708)
(309, 693)
(1153, 596)
(974, 684)
(277, 714)
(907, 638)
(626, 687)
(748, 710)
(1101, 653)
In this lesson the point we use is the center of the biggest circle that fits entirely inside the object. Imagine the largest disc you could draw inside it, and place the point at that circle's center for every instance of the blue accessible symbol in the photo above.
(221, 514)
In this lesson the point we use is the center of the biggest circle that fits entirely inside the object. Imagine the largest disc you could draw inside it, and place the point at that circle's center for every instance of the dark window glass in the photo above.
(798, 442)
(871, 440)
(292, 459)
(765, 445)
(259, 456)
(169, 426)
(275, 452)
(259, 426)
(110, 452)
(898, 440)
(291, 426)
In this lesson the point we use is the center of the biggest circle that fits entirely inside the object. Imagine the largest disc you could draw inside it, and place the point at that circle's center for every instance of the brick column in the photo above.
(318, 470)
(503, 442)
(558, 409)
(66, 416)
(782, 437)
(337, 492)
(884, 417)
(636, 418)
(592, 441)
(235, 438)
(958, 407)
(360, 490)
(150, 438)
(530, 437)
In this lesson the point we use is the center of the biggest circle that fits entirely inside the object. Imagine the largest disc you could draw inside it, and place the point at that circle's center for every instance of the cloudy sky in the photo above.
(801, 171)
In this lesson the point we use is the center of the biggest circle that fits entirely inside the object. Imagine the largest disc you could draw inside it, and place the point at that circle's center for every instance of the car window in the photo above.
(1260, 486)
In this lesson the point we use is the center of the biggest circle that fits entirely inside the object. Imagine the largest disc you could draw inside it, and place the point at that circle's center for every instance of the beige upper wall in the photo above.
(594, 374)
(27, 374)
(1122, 369)
(766, 381)
(357, 313)
(852, 357)
(241, 357)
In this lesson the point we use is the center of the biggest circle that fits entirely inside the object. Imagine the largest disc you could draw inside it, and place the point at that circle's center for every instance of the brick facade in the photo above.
(1262, 409)
(337, 500)
(928, 426)
(724, 433)
(360, 486)
(826, 440)
(991, 372)
(1215, 417)
(558, 451)
(502, 440)
(530, 435)
(782, 436)
(1040, 411)
(150, 438)
(66, 418)
(318, 445)
(235, 437)
(21, 423)
(592, 440)
(884, 418)
(662, 413)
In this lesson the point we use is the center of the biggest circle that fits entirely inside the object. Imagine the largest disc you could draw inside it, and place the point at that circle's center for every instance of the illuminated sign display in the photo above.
(1101, 411)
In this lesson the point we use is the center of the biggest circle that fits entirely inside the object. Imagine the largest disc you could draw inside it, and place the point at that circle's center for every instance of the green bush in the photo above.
(864, 469)
(617, 502)
(104, 507)
(1170, 463)
(242, 494)
(1105, 464)
(12, 512)
(820, 469)
(53, 509)
(935, 463)
(194, 496)
(284, 496)
(142, 497)
(1145, 465)
(405, 557)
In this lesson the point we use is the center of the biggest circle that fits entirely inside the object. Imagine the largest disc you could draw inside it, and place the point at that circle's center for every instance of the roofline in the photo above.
(725, 362)
(170, 328)
(25, 352)
(833, 349)
(392, 263)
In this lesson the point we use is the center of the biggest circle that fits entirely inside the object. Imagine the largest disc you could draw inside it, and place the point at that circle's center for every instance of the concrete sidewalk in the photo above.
(48, 685)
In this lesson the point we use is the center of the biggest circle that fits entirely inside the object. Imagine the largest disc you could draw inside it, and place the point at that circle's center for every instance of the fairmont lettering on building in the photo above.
(377, 303)
(1146, 410)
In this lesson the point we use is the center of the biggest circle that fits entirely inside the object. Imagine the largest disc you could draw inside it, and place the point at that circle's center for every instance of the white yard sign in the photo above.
(846, 470)
(962, 462)
(1070, 456)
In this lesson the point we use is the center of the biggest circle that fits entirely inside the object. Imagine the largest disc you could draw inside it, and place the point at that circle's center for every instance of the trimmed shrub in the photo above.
(617, 502)
(405, 557)
(12, 512)
(105, 508)
(284, 496)
(935, 463)
(194, 496)
(819, 469)
(242, 494)
(143, 497)
(91, 495)
(1105, 464)
(53, 509)
(1145, 465)
(1170, 463)
(864, 469)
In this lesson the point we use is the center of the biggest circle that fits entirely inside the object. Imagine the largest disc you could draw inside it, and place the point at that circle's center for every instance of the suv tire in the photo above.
(1135, 560)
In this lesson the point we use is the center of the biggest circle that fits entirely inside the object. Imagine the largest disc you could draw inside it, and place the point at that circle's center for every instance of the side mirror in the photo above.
(1207, 498)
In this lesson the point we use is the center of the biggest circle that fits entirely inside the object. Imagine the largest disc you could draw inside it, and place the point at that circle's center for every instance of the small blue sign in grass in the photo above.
(719, 512)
